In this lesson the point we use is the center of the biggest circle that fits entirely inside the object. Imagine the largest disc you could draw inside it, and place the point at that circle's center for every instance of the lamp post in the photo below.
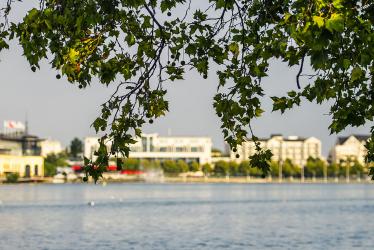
(325, 173)
(302, 173)
(280, 178)
(347, 164)
(358, 176)
(347, 172)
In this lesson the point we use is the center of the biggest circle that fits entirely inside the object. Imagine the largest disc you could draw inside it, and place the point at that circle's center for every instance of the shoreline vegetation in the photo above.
(179, 171)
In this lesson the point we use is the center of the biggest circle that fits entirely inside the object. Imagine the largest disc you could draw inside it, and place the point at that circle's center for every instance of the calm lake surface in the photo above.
(187, 216)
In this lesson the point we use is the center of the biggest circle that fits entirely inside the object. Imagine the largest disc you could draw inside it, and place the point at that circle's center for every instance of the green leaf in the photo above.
(338, 4)
(346, 63)
(258, 112)
(320, 21)
(291, 93)
(73, 55)
(234, 48)
(86, 161)
(356, 74)
(167, 5)
(130, 39)
(335, 23)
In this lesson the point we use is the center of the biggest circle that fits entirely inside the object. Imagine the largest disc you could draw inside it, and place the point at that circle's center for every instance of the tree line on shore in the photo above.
(314, 168)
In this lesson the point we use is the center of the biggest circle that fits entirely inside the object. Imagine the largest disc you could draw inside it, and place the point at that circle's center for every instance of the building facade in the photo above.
(349, 147)
(25, 166)
(20, 153)
(294, 148)
(155, 147)
(50, 147)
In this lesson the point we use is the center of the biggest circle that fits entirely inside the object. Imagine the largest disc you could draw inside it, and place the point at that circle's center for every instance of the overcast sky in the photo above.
(61, 111)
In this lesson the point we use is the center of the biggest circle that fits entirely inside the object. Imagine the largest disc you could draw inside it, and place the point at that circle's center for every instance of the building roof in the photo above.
(19, 137)
(343, 139)
(289, 138)
(298, 139)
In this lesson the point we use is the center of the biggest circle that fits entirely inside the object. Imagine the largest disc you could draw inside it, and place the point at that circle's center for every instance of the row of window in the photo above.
(168, 149)
(291, 150)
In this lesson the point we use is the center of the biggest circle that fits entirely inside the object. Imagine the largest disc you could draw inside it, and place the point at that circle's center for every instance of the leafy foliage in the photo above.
(12, 177)
(221, 168)
(76, 147)
(194, 166)
(139, 45)
(174, 168)
(131, 164)
(315, 168)
(52, 161)
(289, 169)
(207, 169)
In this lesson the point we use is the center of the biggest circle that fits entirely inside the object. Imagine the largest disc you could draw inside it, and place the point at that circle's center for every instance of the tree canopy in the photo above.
(141, 44)
(76, 147)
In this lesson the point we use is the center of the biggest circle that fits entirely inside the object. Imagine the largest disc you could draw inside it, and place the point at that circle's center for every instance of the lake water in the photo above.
(187, 216)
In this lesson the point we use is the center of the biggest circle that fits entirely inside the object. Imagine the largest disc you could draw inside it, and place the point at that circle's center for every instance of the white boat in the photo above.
(59, 178)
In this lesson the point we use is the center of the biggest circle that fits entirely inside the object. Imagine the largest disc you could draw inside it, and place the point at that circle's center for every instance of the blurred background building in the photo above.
(50, 146)
(154, 147)
(20, 152)
(349, 148)
(294, 148)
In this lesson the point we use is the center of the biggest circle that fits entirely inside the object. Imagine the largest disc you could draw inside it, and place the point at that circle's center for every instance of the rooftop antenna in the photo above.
(26, 125)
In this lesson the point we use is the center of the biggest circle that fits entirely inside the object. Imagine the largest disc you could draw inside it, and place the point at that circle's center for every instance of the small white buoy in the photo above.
(91, 203)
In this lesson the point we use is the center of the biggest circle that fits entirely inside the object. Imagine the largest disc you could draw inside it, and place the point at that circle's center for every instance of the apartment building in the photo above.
(349, 147)
(295, 148)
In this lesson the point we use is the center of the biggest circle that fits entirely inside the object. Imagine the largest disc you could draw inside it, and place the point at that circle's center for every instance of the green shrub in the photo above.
(12, 177)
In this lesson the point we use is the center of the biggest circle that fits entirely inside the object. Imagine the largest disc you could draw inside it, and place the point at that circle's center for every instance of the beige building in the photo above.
(50, 147)
(25, 166)
(349, 147)
(155, 147)
(20, 154)
(295, 148)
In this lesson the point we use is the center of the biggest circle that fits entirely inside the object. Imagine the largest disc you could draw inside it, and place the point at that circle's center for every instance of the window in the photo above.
(151, 144)
(144, 144)
(36, 170)
(163, 149)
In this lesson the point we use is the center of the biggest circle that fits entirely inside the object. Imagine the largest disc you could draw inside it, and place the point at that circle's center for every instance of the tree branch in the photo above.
(300, 71)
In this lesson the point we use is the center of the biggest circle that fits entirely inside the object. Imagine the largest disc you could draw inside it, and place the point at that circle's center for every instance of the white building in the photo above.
(50, 147)
(295, 148)
(154, 147)
(349, 147)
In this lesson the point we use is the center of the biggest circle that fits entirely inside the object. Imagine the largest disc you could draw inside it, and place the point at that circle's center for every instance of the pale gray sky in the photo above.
(61, 111)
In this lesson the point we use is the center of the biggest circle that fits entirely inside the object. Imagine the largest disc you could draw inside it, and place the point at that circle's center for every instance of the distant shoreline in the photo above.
(199, 180)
